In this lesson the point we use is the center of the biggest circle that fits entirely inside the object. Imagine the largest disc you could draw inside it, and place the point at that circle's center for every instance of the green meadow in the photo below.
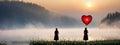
(102, 42)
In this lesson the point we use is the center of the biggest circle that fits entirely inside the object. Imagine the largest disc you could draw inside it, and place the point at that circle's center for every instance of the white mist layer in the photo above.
(64, 34)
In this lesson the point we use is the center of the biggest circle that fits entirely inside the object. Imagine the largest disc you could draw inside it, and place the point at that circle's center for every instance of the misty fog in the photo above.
(24, 21)
(28, 34)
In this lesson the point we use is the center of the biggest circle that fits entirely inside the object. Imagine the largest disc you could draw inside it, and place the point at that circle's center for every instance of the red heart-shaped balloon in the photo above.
(86, 19)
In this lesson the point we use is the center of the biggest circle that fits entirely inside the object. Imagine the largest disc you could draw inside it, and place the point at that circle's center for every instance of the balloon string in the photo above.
(86, 26)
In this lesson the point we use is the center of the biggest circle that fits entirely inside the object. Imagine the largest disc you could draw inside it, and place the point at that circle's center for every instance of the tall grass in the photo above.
(104, 42)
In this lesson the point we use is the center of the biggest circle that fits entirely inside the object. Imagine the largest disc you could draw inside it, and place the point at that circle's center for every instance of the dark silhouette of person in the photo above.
(56, 37)
(85, 34)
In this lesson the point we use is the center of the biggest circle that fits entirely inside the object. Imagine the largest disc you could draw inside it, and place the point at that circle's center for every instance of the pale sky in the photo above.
(79, 6)
(76, 8)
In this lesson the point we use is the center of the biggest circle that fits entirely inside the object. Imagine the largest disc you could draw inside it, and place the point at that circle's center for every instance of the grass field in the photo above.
(102, 42)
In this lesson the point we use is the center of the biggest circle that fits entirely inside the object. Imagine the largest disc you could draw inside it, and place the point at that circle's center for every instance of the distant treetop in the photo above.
(112, 17)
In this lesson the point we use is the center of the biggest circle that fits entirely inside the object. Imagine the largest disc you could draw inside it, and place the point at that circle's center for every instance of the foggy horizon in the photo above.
(23, 21)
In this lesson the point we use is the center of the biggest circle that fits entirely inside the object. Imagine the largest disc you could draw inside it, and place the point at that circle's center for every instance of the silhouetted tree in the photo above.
(111, 17)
